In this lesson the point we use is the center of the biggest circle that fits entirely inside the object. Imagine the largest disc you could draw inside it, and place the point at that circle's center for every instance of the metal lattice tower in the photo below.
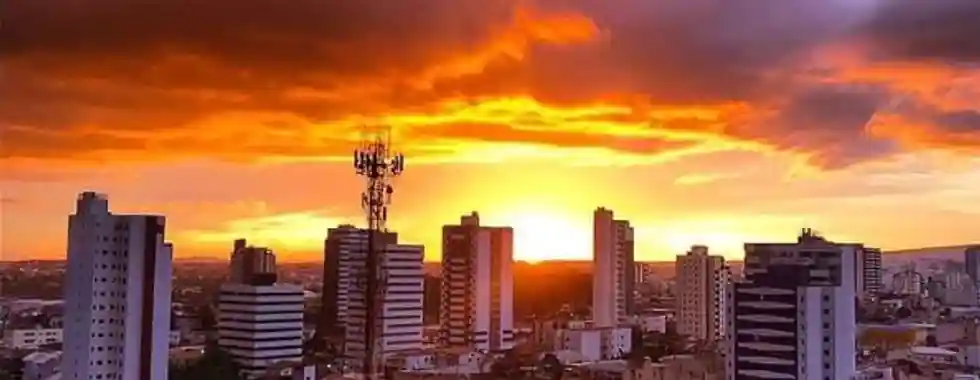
(378, 165)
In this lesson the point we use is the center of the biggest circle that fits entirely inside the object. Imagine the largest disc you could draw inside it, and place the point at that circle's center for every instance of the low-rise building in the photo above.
(596, 343)
(186, 354)
(926, 354)
(41, 365)
(32, 338)
(650, 323)
(680, 367)
(261, 325)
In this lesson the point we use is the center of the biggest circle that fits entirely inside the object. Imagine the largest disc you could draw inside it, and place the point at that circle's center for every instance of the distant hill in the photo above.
(924, 257)
(951, 249)
(199, 259)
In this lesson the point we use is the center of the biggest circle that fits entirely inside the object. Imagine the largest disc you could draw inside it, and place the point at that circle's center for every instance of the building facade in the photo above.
(701, 283)
(399, 317)
(642, 272)
(612, 270)
(873, 282)
(909, 282)
(261, 325)
(596, 343)
(794, 315)
(32, 338)
(250, 264)
(971, 256)
(117, 294)
(344, 246)
(477, 286)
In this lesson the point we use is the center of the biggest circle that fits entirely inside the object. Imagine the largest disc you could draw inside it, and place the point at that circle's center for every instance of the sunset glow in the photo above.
(700, 123)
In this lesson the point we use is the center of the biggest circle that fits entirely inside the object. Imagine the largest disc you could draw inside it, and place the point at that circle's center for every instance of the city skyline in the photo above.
(531, 113)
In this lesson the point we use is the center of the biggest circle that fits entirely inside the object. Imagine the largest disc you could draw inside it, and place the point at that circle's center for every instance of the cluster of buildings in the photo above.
(117, 302)
(792, 313)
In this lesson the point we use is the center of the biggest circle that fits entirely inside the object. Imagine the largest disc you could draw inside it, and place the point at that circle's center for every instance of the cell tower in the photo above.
(378, 165)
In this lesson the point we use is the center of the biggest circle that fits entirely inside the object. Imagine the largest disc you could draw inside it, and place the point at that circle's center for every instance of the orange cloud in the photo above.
(106, 79)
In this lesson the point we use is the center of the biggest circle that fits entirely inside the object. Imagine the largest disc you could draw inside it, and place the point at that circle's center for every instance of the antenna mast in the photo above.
(378, 166)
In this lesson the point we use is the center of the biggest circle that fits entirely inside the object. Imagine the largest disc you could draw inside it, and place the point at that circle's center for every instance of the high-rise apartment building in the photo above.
(344, 246)
(260, 322)
(971, 256)
(250, 264)
(701, 284)
(477, 286)
(117, 294)
(399, 317)
(612, 269)
(867, 270)
(871, 272)
(793, 316)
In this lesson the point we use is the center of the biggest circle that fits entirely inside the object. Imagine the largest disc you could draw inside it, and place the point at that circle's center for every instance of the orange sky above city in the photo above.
(702, 122)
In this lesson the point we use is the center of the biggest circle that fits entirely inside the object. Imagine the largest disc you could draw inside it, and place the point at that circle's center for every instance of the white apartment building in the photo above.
(477, 310)
(701, 283)
(908, 282)
(41, 365)
(794, 315)
(400, 303)
(117, 294)
(642, 273)
(871, 272)
(261, 325)
(344, 247)
(32, 338)
(596, 343)
(612, 271)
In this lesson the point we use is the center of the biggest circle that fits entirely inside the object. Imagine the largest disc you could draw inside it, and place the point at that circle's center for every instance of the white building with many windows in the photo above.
(701, 286)
(32, 338)
(595, 343)
(117, 294)
(400, 303)
(261, 325)
(344, 249)
(794, 315)
(477, 309)
(612, 271)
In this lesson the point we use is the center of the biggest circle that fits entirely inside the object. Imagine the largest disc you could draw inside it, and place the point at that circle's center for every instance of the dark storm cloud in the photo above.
(158, 65)
(832, 124)
(698, 51)
(943, 30)
(122, 54)
(321, 35)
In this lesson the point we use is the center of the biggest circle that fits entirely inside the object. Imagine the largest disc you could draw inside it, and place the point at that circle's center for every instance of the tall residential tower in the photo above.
(794, 315)
(612, 269)
(702, 281)
(399, 321)
(117, 294)
(344, 246)
(477, 286)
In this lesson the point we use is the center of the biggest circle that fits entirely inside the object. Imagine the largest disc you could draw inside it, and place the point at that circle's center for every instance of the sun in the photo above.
(540, 235)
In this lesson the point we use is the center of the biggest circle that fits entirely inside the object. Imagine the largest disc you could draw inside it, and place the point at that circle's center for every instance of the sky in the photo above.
(701, 121)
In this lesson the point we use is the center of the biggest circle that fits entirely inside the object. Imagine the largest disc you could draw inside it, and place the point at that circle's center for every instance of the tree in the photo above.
(507, 366)
(12, 368)
(550, 366)
(214, 364)
(657, 344)
(903, 312)
(208, 320)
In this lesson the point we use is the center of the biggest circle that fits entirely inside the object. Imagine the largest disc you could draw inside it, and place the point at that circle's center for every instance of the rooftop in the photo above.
(937, 351)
